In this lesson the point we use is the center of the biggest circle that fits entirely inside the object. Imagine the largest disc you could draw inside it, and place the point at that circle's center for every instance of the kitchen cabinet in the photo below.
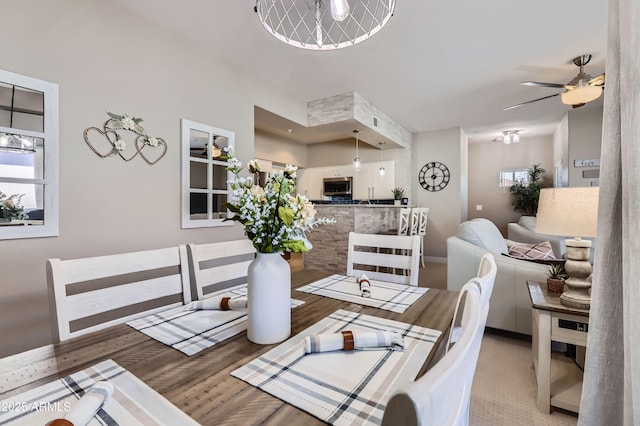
(369, 185)
(339, 171)
(310, 182)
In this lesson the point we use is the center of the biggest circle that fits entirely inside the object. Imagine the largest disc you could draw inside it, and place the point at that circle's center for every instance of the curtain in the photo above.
(611, 387)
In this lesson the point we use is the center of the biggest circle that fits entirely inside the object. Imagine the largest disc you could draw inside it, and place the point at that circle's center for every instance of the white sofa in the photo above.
(510, 304)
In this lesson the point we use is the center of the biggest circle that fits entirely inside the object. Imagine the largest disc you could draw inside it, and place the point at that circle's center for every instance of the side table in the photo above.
(559, 380)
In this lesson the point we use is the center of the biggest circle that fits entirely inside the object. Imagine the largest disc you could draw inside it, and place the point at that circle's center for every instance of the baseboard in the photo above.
(435, 259)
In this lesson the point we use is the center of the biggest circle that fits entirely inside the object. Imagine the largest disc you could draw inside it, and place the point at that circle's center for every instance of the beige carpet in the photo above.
(504, 387)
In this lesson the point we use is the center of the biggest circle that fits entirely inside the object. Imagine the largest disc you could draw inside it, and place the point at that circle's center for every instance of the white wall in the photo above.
(448, 207)
(107, 60)
(278, 150)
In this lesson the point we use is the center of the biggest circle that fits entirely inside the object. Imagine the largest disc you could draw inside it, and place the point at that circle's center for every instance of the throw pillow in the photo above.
(538, 251)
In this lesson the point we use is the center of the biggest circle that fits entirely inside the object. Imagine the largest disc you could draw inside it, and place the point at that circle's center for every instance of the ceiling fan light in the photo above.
(515, 138)
(581, 95)
(17, 143)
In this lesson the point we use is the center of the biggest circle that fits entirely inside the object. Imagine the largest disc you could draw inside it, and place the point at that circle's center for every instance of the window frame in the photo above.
(513, 172)
(50, 135)
(186, 221)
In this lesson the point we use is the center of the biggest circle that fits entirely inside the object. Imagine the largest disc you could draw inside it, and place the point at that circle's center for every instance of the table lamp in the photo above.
(571, 212)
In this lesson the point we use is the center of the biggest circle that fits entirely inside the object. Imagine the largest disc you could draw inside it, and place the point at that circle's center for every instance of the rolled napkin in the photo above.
(87, 406)
(365, 286)
(218, 303)
(353, 340)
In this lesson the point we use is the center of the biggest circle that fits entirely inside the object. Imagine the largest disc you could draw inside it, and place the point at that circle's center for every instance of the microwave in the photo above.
(338, 185)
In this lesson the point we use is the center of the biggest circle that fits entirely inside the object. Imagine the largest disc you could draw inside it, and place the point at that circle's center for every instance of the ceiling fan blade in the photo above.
(535, 100)
(539, 84)
(597, 80)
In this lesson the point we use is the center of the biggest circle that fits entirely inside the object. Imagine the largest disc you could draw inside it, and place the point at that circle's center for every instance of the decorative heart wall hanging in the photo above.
(107, 142)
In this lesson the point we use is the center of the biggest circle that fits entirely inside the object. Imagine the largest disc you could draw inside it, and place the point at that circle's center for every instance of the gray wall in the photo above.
(585, 140)
(486, 161)
(106, 60)
(448, 207)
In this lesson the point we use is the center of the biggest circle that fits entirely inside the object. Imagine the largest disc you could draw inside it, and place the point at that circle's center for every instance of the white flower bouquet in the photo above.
(275, 218)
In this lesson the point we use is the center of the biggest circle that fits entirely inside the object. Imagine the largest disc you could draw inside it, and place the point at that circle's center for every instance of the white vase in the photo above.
(397, 202)
(269, 299)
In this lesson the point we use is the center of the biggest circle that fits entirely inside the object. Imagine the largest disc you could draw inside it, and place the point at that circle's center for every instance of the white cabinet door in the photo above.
(382, 186)
(310, 182)
(339, 171)
(368, 183)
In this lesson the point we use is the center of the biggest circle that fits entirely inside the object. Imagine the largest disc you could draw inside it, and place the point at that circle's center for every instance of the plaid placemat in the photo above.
(340, 387)
(132, 402)
(192, 331)
(389, 296)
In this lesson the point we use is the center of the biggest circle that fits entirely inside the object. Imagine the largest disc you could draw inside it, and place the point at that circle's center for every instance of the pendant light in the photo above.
(356, 161)
(381, 170)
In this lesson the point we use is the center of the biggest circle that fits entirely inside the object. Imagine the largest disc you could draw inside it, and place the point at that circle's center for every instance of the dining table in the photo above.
(201, 385)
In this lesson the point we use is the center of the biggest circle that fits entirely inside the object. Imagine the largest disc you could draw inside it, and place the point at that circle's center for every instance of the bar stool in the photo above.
(418, 226)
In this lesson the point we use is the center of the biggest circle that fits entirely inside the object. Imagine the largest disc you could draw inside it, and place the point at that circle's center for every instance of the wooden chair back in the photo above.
(442, 395)
(391, 258)
(422, 213)
(216, 266)
(93, 293)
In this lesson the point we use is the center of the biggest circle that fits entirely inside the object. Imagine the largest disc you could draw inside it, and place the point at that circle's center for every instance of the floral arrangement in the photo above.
(11, 206)
(275, 218)
(397, 193)
(124, 122)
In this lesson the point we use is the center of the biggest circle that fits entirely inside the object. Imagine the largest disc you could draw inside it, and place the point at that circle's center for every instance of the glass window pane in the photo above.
(23, 164)
(198, 206)
(198, 175)
(198, 143)
(21, 108)
(219, 177)
(219, 206)
(22, 201)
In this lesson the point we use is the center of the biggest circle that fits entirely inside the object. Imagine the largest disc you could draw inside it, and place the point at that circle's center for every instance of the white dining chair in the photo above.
(391, 258)
(93, 293)
(442, 395)
(485, 280)
(216, 266)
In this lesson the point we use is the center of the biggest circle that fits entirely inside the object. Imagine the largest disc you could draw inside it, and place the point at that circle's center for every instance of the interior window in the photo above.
(204, 174)
(509, 177)
(28, 157)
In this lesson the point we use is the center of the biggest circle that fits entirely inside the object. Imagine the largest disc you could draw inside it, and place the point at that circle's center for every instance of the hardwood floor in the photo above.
(504, 387)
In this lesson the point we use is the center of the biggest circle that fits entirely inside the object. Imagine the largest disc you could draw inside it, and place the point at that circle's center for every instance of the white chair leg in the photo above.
(422, 251)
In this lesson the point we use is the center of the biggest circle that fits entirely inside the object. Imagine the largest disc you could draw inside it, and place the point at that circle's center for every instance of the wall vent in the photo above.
(375, 121)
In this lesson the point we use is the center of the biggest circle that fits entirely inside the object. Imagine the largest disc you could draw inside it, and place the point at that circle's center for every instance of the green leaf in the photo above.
(286, 215)
(295, 246)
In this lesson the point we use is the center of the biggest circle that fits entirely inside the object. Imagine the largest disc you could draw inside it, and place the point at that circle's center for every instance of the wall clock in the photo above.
(434, 176)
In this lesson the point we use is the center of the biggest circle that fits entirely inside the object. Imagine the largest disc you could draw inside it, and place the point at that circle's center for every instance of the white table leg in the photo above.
(543, 374)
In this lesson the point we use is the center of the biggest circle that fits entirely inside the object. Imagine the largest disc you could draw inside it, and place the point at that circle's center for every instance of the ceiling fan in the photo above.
(582, 89)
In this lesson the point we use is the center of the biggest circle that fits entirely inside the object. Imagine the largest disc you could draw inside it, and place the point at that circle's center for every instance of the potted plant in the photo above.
(397, 195)
(556, 276)
(525, 195)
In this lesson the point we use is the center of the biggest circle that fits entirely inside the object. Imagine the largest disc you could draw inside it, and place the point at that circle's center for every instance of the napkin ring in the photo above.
(224, 304)
(349, 343)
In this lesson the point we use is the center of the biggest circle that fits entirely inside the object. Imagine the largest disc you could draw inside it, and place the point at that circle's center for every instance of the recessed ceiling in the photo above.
(434, 66)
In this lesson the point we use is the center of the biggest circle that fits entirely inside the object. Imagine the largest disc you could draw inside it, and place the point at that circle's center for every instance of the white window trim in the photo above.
(50, 180)
(513, 172)
(186, 127)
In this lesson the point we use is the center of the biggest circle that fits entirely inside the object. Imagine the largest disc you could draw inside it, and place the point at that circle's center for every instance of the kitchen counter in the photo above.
(330, 242)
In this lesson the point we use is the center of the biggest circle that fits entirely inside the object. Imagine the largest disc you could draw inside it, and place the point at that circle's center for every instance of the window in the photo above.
(509, 177)
(204, 175)
(28, 157)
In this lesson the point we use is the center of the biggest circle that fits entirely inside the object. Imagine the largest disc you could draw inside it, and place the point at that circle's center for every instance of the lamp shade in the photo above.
(568, 211)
